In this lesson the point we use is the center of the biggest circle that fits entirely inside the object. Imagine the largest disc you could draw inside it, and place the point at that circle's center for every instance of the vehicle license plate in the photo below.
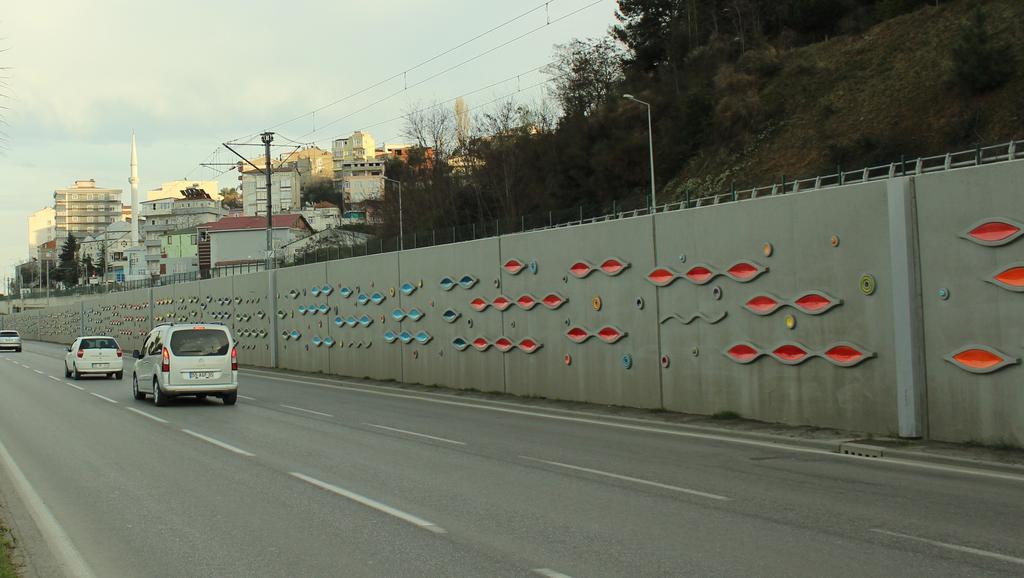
(200, 375)
(100, 364)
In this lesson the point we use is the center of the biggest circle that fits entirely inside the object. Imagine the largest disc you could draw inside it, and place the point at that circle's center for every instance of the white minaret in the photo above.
(134, 181)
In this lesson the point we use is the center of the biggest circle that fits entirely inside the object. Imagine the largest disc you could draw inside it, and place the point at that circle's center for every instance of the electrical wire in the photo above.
(548, 21)
(451, 68)
(405, 72)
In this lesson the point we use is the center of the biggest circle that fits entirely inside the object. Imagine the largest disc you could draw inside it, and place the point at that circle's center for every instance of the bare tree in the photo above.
(431, 126)
(585, 73)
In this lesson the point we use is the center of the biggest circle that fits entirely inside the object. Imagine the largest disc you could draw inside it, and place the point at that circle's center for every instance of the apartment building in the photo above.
(85, 209)
(286, 196)
(358, 171)
(41, 229)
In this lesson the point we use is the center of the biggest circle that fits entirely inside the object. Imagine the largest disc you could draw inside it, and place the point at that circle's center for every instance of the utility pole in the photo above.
(268, 137)
(268, 170)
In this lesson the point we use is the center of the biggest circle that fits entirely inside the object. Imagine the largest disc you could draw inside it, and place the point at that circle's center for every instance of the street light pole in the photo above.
(401, 227)
(650, 144)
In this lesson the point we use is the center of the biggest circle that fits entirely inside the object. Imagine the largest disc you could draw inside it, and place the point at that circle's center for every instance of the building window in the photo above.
(192, 239)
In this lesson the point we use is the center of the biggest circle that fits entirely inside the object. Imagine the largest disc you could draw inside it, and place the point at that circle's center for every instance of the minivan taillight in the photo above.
(120, 353)
(234, 359)
(80, 354)
(165, 365)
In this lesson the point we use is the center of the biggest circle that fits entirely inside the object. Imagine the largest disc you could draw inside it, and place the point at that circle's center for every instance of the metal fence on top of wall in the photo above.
(586, 214)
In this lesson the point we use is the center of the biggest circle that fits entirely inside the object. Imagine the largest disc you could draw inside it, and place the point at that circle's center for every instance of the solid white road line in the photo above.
(78, 387)
(629, 479)
(53, 378)
(60, 544)
(550, 573)
(371, 503)
(219, 443)
(247, 397)
(665, 431)
(412, 433)
(956, 547)
(307, 410)
(149, 415)
(103, 397)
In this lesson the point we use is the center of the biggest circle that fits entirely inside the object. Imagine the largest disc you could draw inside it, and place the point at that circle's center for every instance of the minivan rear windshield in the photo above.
(199, 342)
(8, 333)
(98, 343)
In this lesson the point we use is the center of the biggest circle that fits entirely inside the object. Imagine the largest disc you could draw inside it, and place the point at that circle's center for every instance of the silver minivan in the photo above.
(179, 359)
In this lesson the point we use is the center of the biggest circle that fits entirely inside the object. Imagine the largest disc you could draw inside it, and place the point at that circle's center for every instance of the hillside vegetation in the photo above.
(741, 91)
(862, 99)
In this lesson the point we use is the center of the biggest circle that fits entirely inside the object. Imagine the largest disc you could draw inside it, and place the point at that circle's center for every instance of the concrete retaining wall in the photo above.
(868, 307)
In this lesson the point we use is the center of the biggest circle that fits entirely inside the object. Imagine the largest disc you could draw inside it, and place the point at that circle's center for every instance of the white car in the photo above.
(94, 355)
(10, 340)
(187, 359)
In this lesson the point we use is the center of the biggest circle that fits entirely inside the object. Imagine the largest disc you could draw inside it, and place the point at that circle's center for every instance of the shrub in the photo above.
(979, 63)
(892, 8)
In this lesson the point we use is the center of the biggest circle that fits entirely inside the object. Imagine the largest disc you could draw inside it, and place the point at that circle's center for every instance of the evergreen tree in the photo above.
(68, 268)
(980, 64)
(101, 264)
(87, 266)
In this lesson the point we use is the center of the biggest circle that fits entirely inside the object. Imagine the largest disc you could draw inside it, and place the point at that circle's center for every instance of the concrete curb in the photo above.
(918, 456)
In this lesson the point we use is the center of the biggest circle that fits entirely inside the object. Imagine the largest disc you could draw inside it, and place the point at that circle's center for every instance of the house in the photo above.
(179, 252)
(239, 240)
(322, 215)
(164, 215)
(176, 189)
(113, 247)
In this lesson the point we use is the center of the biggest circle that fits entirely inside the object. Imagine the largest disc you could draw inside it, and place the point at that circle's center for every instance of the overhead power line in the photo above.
(456, 66)
(404, 73)
(548, 22)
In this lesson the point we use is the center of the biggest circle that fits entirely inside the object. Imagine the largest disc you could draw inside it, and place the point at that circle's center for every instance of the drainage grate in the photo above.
(862, 450)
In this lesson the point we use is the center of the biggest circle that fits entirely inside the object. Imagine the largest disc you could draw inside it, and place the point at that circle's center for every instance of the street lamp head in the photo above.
(628, 96)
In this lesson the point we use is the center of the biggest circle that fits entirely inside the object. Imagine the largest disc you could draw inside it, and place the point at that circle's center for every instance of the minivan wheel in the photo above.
(135, 388)
(159, 398)
(67, 372)
(118, 375)
(230, 398)
(74, 372)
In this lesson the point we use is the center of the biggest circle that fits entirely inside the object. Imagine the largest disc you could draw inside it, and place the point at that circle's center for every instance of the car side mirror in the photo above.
(68, 349)
(137, 354)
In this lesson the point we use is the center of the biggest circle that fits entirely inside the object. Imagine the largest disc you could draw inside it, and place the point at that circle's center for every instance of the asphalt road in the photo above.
(312, 477)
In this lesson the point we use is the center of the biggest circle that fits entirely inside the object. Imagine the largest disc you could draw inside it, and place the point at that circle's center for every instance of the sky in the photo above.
(190, 74)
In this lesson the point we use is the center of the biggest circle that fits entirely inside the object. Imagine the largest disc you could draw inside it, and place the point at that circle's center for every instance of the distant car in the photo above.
(94, 355)
(186, 359)
(10, 340)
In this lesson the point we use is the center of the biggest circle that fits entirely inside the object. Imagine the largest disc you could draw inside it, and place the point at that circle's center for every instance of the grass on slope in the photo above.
(865, 99)
(6, 565)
